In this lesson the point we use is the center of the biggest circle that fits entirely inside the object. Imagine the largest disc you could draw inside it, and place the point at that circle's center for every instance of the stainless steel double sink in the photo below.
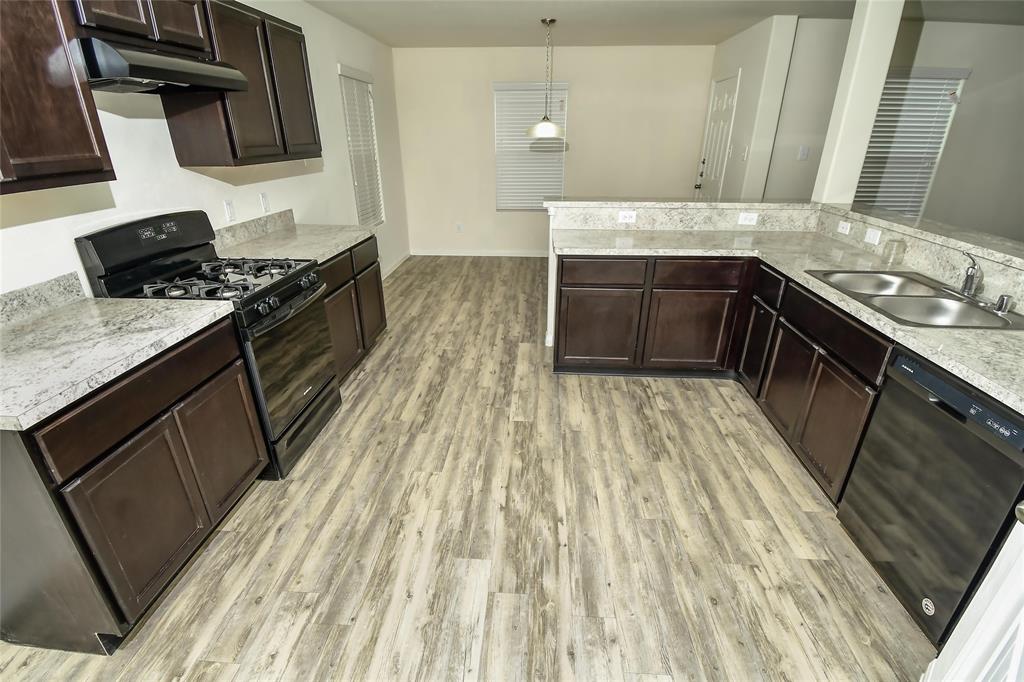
(914, 299)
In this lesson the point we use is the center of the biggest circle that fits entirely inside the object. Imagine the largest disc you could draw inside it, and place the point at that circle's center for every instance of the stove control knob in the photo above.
(263, 307)
(314, 278)
(274, 303)
(304, 282)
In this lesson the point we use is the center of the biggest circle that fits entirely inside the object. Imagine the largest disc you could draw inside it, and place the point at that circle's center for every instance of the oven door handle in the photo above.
(261, 329)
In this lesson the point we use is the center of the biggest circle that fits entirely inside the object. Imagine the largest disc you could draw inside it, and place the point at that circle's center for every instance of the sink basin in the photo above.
(882, 283)
(935, 311)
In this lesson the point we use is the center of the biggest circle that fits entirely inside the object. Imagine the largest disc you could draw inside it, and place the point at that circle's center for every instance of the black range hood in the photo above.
(117, 68)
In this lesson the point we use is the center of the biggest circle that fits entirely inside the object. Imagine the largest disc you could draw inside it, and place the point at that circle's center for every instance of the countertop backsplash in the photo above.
(30, 301)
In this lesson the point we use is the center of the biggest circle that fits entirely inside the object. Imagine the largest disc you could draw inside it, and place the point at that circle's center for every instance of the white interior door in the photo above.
(717, 139)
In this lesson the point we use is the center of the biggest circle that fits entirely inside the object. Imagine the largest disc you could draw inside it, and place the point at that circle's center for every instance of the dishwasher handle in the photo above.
(947, 408)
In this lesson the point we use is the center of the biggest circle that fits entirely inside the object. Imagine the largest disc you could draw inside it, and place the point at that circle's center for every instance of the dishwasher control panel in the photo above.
(956, 400)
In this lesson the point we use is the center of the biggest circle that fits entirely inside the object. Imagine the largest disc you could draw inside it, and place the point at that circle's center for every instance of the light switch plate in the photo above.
(747, 219)
(872, 236)
(802, 152)
(229, 210)
(627, 216)
(264, 202)
(844, 227)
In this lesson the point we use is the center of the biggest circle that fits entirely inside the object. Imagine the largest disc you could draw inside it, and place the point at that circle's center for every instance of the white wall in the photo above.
(814, 68)
(762, 52)
(37, 228)
(635, 120)
(977, 185)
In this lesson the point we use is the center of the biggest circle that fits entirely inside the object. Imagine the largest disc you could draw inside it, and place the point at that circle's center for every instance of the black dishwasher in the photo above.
(933, 489)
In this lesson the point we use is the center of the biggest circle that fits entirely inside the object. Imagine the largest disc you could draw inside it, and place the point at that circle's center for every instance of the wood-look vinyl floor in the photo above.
(470, 515)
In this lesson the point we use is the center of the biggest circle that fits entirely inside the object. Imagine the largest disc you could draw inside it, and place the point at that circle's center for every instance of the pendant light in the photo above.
(547, 129)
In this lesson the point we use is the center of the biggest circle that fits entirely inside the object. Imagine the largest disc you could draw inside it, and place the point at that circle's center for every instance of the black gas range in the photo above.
(278, 310)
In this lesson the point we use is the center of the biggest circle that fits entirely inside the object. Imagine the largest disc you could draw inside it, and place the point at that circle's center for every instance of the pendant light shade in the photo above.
(546, 129)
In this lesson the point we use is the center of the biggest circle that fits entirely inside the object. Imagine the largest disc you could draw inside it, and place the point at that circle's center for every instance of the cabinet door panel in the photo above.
(240, 40)
(785, 389)
(370, 293)
(837, 410)
(755, 348)
(124, 16)
(182, 22)
(141, 513)
(222, 438)
(48, 121)
(294, 89)
(689, 329)
(599, 327)
(346, 331)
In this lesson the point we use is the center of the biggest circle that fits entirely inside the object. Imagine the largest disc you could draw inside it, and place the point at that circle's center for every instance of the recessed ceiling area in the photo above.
(509, 23)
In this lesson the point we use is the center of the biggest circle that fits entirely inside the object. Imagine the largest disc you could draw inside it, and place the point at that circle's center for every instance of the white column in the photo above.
(868, 50)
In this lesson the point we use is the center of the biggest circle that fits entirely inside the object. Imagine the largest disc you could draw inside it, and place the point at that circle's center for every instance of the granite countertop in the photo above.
(52, 359)
(321, 242)
(991, 360)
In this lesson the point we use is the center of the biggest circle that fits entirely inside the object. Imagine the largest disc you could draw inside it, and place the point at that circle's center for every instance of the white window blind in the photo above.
(527, 170)
(913, 119)
(357, 96)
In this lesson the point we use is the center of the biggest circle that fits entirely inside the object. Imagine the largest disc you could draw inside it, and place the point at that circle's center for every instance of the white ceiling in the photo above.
(502, 23)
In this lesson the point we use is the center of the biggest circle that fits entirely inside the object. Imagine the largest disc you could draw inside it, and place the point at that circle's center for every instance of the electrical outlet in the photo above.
(229, 210)
(872, 236)
(627, 216)
(742, 242)
(264, 202)
(802, 152)
(747, 219)
(844, 227)
(459, 227)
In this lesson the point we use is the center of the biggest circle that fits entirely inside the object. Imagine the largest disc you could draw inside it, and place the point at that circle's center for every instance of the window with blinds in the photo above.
(357, 96)
(907, 138)
(528, 170)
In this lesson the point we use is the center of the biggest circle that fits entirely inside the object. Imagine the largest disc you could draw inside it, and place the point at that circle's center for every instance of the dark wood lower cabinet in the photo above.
(689, 329)
(222, 438)
(141, 513)
(598, 327)
(789, 370)
(838, 405)
(346, 331)
(370, 294)
(755, 347)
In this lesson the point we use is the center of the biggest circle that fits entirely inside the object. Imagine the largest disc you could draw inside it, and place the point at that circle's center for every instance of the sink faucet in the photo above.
(972, 277)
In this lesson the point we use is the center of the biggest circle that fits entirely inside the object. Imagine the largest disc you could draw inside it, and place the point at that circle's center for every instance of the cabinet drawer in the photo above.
(859, 347)
(604, 271)
(108, 417)
(364, 255)
(768, 287)
(337, 271)
(698, 273)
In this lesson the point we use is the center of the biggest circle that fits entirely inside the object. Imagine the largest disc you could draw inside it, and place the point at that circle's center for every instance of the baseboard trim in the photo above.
(385, 273)
(497, 253)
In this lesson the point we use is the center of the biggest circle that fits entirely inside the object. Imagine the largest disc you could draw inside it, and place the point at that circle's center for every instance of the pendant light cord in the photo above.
(547, 68)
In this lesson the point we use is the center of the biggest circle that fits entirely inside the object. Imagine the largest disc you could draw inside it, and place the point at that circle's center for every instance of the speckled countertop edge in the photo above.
(46, 365)
(992, 361)
(317, 241)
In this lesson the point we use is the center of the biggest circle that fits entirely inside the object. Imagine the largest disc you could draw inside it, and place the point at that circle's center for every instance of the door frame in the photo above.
(728, 143)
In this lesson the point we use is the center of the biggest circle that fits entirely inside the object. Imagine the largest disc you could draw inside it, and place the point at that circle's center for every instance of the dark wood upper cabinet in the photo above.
(689, 329)
(346, 329)
(49, 130)
(141, 513)
(274, 120)
(838, 405)
(783, 396)
(222, 438)
(124, 16)
(240, 40)
(370, 295)
(182, 22)
(294, 88)
(598, 327)
(750, 368)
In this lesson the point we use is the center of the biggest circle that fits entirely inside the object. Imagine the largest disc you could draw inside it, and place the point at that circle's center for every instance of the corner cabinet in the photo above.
(50, 132)
(274, 120)
(649, 313)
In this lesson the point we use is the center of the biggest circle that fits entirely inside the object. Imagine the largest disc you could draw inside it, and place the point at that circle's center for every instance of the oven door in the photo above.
(292, 359)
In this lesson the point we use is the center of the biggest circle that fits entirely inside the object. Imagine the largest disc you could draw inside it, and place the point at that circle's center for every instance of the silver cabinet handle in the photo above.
(1020, 512)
